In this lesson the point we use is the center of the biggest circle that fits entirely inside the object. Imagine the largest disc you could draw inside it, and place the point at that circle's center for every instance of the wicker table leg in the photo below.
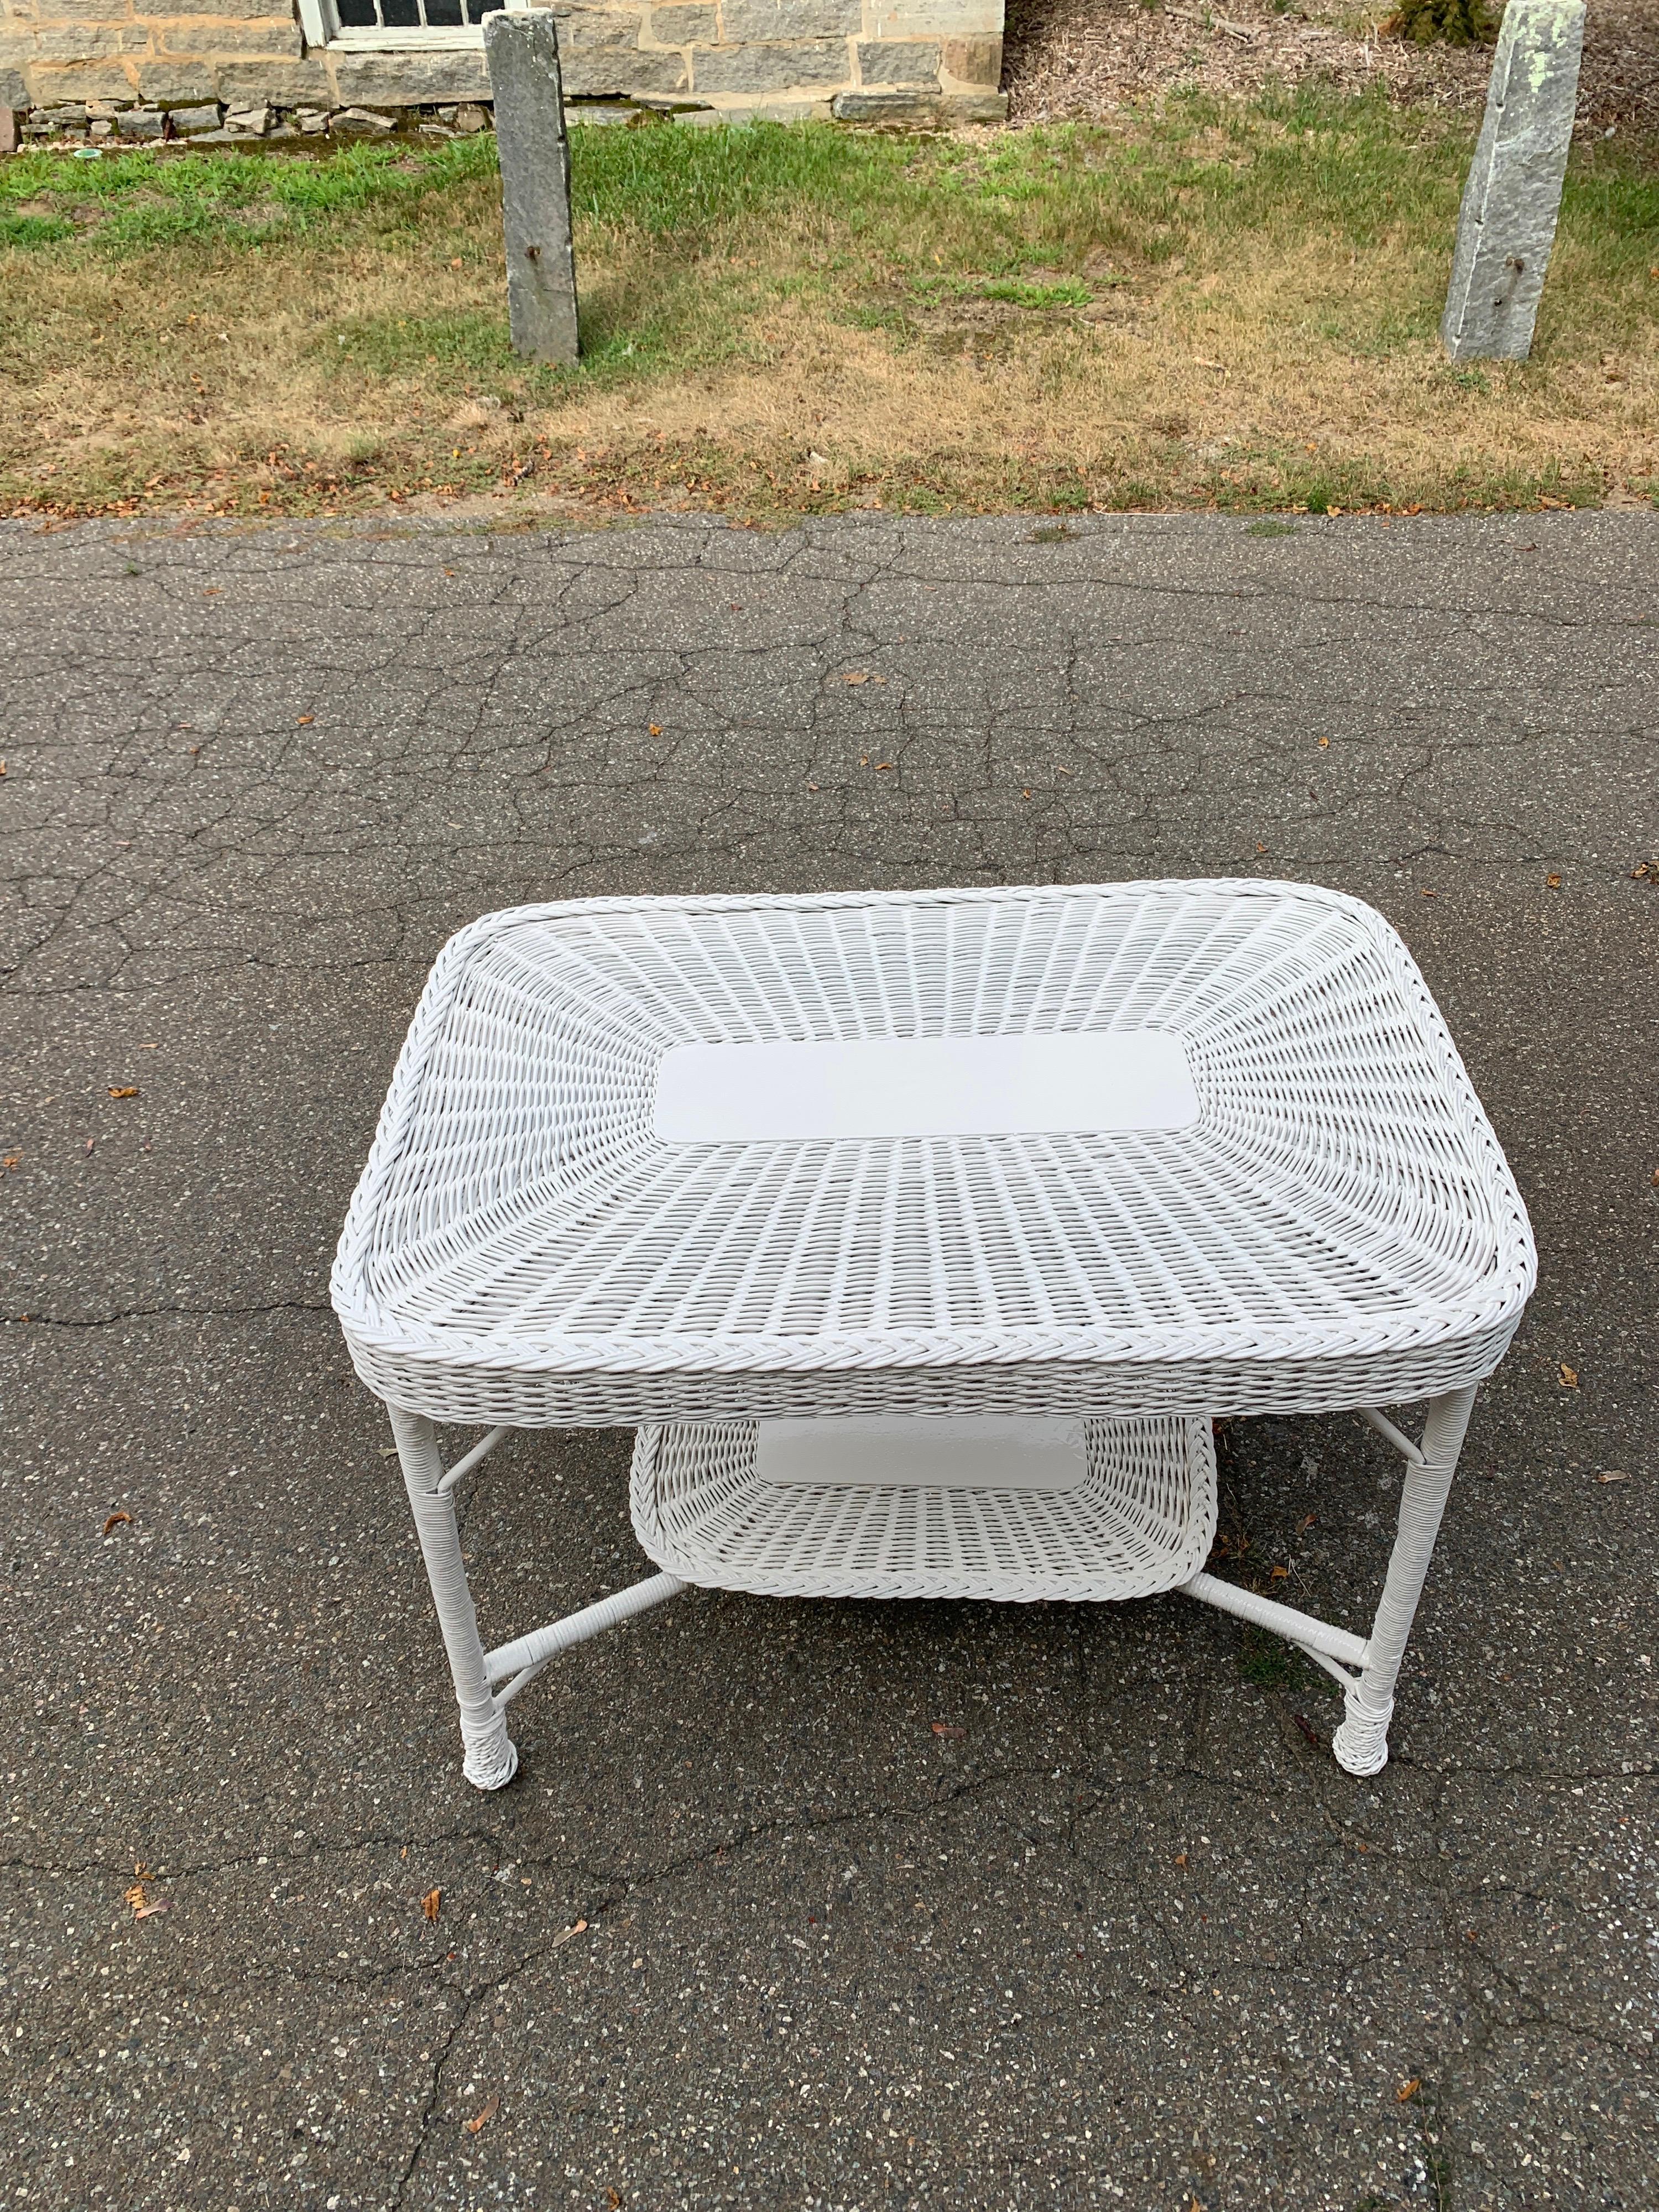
(1361, 1744)
(491, 1758)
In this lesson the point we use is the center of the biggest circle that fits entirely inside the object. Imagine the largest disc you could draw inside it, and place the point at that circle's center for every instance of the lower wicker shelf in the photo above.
(912, 1506)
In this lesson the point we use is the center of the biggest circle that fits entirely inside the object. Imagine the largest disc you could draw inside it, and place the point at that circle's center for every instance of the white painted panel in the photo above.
(1111, 1079)
(919, 1451)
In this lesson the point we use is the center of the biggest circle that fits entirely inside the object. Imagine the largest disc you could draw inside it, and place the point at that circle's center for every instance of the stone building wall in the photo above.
(113, 61)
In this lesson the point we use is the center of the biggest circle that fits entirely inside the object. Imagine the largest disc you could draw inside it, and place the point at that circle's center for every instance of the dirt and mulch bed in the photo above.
(1077, 58)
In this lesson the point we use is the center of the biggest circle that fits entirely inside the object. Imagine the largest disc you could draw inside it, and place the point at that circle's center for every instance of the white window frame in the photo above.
(320, 23)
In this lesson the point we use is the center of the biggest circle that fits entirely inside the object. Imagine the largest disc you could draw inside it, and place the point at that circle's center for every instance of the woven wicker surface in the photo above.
(1339, 1227)
(1142, 1520)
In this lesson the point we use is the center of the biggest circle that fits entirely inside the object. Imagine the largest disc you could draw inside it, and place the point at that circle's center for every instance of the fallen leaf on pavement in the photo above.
(577, 1927)
(1280, 1575)
(1407, 2090)
(950, 1729)
(115, 1520)
(491, 2106)
(12, 1161)
(1569, 1376)
(1429, 894)
(1180, 1858)
(856, 676)
(1552, 883)
(303, 719)
(1612, 1475)
(430, 1903)
(148, 1911)
(122, 1089)
(1307, 1728)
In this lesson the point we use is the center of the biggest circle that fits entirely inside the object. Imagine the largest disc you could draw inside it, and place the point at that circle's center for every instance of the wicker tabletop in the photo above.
(554, 1226)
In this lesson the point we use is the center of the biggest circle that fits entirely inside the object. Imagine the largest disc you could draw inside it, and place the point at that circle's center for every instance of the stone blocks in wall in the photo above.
(50, 82)
(758, 69)
(934, 19)
(684, 26)
(276, 36)
(375, 80)
(748, 21)
(279, 84)
(921, 64)
(972, 61)
(898, 61)
(602, 54)
(88, 42)
(176, 83)
(228, 12)
(920, 110)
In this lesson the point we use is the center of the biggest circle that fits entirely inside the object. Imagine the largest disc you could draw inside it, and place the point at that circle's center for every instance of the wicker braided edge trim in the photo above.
(447, 1391)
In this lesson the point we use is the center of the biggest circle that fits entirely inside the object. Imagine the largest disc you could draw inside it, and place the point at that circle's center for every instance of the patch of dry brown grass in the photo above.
(1221, 389)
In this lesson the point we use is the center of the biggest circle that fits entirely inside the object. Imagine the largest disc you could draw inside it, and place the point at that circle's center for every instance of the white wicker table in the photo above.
(921, 1238)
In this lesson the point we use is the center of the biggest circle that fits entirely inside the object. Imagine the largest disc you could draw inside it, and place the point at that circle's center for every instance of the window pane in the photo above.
(358, 16)
(478, 10)
(401, 15)
(444, 14)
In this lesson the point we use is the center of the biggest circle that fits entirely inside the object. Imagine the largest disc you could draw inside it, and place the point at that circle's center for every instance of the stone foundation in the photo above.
(69, 66)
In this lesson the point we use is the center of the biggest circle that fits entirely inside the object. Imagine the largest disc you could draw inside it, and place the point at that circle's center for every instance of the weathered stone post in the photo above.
(522, 50)
(1513, 196)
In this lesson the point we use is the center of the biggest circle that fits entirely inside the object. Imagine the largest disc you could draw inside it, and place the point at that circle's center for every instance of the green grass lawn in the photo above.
(1202, 305)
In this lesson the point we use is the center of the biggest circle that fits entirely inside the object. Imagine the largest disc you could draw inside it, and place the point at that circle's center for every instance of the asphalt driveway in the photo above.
(748, 1931)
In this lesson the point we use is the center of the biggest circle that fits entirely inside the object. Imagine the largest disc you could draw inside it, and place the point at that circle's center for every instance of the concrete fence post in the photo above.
(522, 50)
(1513, 196)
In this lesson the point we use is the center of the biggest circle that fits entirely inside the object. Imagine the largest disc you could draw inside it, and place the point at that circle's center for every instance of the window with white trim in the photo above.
(373, 24)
